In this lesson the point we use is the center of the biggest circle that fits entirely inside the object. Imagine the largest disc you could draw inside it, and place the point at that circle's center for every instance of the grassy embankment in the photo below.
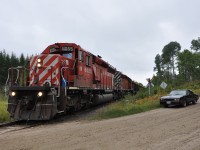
(127, 106)
(139, 103)
(4, 115)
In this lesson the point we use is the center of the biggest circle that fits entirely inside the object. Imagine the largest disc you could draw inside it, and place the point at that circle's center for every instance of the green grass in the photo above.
(127, 106)
(4, 115)
(139, 103)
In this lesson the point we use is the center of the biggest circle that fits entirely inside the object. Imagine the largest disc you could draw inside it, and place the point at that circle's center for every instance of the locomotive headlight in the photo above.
(13, 93)
(39, 65)
(39, 60)
(40, 94)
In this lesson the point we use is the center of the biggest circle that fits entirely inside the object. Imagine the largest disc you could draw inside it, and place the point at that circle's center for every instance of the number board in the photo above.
(67, 49)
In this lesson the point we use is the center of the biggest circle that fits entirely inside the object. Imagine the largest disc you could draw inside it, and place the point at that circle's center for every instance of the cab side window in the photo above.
(80, 57)
(87, 60)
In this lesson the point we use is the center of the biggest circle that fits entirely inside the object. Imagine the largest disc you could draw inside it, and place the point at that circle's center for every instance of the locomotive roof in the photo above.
(98, 58)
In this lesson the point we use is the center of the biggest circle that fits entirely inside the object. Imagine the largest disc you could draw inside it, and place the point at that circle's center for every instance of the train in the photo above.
(63, 78)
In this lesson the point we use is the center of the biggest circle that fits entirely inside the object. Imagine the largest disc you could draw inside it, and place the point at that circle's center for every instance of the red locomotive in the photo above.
(63, 77)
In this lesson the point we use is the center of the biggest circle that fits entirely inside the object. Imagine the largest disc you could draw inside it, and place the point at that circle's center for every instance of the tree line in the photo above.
(175, 66)
(10, 60)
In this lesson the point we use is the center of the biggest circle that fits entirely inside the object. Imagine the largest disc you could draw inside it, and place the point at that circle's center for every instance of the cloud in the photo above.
(127, 34)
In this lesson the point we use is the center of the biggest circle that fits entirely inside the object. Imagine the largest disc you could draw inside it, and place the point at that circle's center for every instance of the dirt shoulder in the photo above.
(160, 129)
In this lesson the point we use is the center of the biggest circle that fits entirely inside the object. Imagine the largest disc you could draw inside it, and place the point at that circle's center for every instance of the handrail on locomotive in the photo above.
(9, 82)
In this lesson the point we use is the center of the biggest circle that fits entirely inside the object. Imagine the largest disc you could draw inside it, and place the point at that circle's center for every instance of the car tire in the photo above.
(194, 101)
(184, 103)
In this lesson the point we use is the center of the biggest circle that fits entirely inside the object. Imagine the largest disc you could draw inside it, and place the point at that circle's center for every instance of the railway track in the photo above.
(18, 125)
(21, 125)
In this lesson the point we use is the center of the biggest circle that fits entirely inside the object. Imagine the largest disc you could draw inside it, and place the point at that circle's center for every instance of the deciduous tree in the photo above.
(195, 44)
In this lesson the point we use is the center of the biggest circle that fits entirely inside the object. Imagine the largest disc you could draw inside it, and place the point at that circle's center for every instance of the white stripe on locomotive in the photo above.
(45, 71)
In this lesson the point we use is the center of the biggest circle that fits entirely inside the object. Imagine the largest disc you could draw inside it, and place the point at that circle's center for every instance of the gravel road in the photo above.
(160, 129)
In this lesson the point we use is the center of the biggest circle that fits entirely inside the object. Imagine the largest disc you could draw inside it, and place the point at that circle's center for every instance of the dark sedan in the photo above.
(179, 97)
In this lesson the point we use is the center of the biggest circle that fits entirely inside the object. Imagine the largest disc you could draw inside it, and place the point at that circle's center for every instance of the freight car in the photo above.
(64, 77)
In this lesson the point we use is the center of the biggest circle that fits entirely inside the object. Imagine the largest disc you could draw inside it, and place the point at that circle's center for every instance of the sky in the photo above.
(127, 34)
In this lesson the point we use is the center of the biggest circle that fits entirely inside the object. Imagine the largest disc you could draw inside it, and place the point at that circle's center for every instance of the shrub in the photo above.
(4, 115)
(129, 105)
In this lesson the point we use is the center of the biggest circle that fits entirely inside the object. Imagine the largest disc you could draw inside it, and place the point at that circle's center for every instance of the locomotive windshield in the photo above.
(67, 52)
(68, 55)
